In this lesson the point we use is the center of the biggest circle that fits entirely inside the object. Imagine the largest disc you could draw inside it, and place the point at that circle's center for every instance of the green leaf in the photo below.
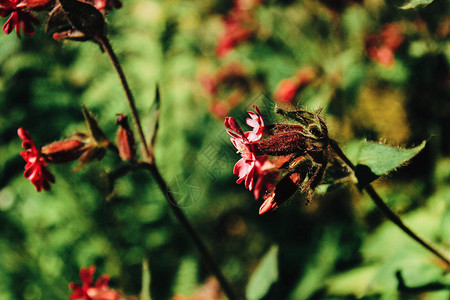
(415, 3)
(264, 276)
(319, 267)
(373, 159)
(186, 279)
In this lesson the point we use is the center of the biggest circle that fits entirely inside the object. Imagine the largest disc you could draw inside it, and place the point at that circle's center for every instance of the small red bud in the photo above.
(284, 189)
(125, 139)
(63, 151)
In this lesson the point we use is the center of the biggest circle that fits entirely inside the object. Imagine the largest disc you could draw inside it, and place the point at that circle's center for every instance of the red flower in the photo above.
(35, 170)
(20, 17)
(247, 167)
(87, 291)
(381, 48)
(286, 91)
(240, 25)
(235, 33)
(288, 88)
(106, 5)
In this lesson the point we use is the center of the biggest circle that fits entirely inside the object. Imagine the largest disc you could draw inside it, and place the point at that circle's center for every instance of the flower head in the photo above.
(296, 153)
(19, 18)
(35, 170)
(250, 167)
(86, 291)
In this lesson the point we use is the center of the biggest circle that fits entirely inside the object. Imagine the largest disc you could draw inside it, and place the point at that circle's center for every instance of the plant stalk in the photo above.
(130, 99)
(179, 214)
(388, 212)
(151, 166)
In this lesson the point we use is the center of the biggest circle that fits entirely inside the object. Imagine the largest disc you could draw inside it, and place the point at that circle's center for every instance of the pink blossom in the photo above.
(257, 123)
(248, 167)
(19, 17)
(265, 175)
(87, 291)
(35, 170)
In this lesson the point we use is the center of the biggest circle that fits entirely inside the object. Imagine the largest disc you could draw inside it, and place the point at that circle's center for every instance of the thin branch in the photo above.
(103, 40)
(179, 214)
(388, 212)
(151, 166)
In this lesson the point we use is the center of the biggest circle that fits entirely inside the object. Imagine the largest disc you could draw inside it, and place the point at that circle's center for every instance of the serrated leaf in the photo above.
(264, 276)
(414, 3)
(374, 159)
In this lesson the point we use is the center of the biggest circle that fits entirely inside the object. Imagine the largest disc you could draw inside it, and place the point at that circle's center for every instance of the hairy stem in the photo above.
(388, 212)
(151, 166)
(179, 214)
(103, 40)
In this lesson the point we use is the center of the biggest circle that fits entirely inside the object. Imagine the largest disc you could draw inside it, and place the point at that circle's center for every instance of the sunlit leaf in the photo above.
(374, 159)
(264, 276)
(415, 3)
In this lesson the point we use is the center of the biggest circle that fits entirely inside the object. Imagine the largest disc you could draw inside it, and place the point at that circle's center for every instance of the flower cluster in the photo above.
(89, 291)
(240, 25)
(296, 153)
(289, 88)
(381, 48)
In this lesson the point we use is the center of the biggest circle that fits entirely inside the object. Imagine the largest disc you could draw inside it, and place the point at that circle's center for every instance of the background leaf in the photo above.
(264, 276)
(415, 3)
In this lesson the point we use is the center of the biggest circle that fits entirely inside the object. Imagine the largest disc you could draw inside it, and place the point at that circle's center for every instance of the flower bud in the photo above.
(284, 189)
(125, 139)
(285, 143)
(63, 151)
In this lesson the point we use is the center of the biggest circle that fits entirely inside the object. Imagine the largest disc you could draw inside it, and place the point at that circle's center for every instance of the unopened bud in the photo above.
(284, 143)
(125, 139)
(63, 151)
(284, 189)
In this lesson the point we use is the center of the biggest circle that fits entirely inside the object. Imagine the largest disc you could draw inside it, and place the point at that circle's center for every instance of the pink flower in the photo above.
(35, 170)
(248, 166)
(257, 123)
(20, 17)
(265, 175)
(87, 291)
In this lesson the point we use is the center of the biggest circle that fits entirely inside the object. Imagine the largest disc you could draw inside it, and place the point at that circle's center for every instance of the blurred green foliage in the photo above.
(339, 247)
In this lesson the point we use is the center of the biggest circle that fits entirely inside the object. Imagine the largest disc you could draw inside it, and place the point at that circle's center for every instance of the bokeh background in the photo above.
(379, 73)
